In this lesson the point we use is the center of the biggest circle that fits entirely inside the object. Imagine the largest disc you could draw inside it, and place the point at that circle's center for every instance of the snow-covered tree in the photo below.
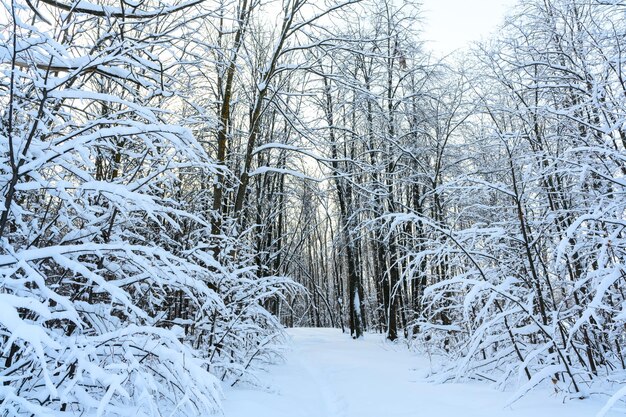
(112, 302)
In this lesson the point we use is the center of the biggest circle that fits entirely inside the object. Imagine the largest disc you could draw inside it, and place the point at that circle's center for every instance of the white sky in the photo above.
(451, 24)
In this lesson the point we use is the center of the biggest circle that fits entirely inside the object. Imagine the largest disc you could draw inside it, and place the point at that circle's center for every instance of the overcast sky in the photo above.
(452, 24)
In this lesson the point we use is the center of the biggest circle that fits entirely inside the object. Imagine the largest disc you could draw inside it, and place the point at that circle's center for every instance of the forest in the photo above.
(180, 180)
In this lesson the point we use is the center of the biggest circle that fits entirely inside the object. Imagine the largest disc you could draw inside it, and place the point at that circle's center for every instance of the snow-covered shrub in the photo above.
(76, 338)
(238, 336)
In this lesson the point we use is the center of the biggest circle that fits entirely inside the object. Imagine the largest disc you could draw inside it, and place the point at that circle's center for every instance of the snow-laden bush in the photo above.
(81, 340)
(91, 341)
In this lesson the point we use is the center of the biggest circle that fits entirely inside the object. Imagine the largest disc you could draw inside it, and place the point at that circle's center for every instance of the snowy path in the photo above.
(329, 375)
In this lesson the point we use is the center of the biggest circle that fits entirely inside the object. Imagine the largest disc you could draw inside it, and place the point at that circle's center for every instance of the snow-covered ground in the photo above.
(327, 374)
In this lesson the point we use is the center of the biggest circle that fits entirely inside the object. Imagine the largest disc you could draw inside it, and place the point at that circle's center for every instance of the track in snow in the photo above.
(327, 374)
